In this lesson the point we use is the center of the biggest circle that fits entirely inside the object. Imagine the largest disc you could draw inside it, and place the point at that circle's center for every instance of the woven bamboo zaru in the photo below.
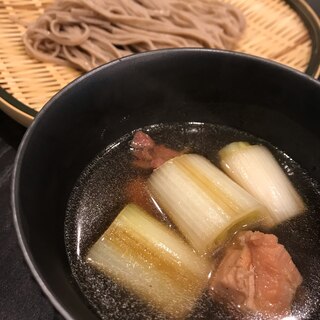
(274, 30)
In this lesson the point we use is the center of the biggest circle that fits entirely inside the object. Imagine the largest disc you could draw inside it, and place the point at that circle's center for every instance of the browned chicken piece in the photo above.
(148, 154)
(257, 274)
(137, 193)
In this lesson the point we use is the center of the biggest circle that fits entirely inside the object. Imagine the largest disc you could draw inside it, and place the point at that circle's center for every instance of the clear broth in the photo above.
(98, 197)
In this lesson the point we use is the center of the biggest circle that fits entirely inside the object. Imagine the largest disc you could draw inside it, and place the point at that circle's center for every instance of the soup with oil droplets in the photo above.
(99, 196)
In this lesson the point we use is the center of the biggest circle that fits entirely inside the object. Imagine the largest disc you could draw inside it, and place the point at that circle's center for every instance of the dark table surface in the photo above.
(20, 296)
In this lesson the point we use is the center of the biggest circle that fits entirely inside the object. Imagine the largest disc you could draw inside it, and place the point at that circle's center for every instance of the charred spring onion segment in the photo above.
(202, 201)
(256, 170)
(149, 258)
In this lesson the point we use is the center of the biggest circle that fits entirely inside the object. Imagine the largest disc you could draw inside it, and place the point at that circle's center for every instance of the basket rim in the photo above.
(303, 9)
(312, 23)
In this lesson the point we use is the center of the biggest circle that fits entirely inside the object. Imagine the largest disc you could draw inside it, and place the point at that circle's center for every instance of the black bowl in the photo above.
(268, 100)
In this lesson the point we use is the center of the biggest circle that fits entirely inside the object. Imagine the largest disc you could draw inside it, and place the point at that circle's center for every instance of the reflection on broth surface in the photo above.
(99, 196)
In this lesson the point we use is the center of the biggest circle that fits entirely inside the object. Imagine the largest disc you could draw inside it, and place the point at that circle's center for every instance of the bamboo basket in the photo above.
(284, 31)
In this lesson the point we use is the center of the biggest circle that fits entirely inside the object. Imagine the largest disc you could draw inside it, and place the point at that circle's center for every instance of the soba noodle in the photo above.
(87, 33)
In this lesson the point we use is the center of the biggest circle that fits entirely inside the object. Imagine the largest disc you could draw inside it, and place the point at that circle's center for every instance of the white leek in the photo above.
(152, 261)
(202, 201)
(255, 169)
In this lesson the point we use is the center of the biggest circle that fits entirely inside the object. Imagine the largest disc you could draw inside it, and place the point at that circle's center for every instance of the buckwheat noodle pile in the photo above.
(87, 33)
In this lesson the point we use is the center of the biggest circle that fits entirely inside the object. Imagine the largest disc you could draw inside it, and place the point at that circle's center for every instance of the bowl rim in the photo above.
(32, 264)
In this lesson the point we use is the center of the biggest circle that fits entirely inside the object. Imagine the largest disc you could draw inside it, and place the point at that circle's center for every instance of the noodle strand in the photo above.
(87, 33)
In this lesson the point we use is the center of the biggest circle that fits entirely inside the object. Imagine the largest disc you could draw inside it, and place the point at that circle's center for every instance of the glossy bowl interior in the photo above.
(267, 100)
